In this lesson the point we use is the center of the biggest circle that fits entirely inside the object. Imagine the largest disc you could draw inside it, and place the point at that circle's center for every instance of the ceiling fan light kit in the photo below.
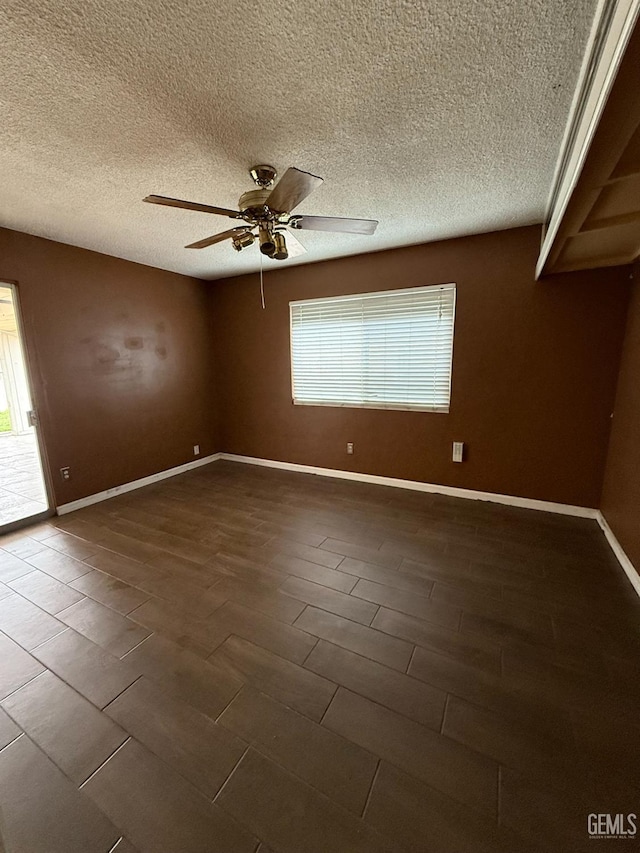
(244, 239)
(280, 252)
(267, 212)
(265, 236)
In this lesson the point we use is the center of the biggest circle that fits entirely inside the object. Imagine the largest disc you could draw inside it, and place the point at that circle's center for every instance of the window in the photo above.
(389, 350)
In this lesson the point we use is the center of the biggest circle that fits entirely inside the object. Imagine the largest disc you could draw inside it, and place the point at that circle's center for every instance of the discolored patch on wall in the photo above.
(106, 359)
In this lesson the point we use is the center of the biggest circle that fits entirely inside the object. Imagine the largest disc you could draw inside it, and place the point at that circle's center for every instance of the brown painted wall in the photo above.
(121, 359)
(534, 372)
(621, 493)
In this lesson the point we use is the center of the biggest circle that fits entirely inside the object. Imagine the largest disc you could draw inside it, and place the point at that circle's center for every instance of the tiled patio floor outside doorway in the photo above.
(22, 491)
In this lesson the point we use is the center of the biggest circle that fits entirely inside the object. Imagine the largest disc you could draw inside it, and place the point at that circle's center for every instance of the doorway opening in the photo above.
(23, 491)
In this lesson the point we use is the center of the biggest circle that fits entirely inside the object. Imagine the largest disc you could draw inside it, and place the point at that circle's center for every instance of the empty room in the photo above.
(320, 426)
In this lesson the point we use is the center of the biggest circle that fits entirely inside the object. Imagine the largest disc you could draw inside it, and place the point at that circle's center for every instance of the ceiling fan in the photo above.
(267, 212)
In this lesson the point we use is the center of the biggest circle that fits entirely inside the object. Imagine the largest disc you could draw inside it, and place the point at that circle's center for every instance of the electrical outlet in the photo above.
(65, 473)
(350, 448)
(458, 451)
(196, 449)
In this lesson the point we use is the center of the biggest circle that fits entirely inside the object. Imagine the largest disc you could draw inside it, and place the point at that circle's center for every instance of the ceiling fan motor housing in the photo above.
(253, 203)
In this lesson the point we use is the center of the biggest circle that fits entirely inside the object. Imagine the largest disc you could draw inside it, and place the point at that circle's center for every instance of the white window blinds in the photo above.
(389, 350)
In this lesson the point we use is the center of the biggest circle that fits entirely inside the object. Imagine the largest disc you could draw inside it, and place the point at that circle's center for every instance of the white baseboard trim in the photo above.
(412, 485)
(417, 486)
(629, 569)
(135, 484)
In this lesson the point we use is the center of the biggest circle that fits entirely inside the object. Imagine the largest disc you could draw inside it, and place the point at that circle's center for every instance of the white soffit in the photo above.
(438, 118)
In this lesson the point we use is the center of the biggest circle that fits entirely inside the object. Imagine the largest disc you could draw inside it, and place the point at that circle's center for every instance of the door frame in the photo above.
(29, 360)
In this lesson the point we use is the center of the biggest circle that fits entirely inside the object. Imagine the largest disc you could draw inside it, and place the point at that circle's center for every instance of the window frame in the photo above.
(403, 407)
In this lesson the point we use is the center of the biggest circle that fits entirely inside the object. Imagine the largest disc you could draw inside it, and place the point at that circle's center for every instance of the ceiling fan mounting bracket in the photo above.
(264, 176)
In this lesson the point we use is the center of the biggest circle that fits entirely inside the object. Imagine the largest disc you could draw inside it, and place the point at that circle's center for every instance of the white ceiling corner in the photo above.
(438, 118)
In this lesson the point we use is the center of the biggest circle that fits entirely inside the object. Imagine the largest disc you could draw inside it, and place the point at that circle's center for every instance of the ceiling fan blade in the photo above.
(217, 238)
(294, 246)
(292, 188)
(192, 205)
(334, 223)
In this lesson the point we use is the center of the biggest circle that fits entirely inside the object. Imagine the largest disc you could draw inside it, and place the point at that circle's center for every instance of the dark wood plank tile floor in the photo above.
(244, 659)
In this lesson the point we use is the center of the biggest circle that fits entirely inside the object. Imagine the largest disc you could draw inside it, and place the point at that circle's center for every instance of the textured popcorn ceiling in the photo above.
(438, 118)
